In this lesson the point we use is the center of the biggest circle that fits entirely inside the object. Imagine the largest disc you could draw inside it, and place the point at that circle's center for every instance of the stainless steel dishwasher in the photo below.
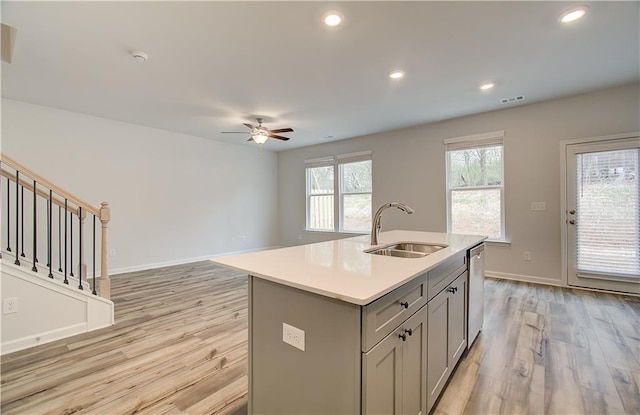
(475, 290)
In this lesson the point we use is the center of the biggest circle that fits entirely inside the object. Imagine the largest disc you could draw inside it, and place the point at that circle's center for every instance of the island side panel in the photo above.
(322, 379)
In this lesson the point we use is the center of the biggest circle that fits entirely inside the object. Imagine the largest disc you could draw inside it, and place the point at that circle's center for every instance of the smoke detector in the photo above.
(139, 55)
(511, 100)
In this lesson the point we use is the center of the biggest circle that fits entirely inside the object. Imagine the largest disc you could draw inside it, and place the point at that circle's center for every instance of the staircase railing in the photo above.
(57, 239)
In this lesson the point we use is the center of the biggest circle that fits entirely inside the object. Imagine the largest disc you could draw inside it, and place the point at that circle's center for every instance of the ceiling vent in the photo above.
(512, 99)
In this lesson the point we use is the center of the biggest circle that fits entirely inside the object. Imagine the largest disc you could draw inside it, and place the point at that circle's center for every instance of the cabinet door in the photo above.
(382, 377)
(457, 325)
(437, 346)
(414, 364)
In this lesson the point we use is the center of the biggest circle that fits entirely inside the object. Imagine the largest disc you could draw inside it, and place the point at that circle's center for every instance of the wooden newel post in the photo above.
(83, 265)
(104, 283)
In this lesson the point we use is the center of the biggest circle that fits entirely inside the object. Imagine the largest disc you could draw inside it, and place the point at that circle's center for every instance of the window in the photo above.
(353, 186)
(475, 185)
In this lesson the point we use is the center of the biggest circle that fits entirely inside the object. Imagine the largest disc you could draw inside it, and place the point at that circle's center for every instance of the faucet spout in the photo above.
(376, 225)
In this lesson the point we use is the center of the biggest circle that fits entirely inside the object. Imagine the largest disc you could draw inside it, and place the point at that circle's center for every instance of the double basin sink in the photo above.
(406, 249)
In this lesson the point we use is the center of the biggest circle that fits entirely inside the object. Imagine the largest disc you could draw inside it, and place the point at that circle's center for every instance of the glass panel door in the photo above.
(603, 215)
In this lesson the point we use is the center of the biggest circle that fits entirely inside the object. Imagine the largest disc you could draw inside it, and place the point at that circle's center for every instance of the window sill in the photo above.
(327, 231)
(498, 242)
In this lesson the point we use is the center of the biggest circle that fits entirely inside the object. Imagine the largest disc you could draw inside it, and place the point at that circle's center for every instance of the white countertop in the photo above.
(340, 269)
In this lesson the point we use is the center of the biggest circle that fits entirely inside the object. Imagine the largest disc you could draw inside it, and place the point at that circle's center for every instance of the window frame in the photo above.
(491, 139)
(338, 162)
(311, 164)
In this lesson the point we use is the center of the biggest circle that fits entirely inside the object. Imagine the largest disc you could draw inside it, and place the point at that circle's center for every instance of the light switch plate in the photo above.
(293, 336)
(538, 206)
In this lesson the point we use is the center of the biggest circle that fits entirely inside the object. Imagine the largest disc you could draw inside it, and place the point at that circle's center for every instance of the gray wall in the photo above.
(409, 166)
(174, 198)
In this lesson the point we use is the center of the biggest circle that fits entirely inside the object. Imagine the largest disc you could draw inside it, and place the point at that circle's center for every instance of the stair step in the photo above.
(43, 270)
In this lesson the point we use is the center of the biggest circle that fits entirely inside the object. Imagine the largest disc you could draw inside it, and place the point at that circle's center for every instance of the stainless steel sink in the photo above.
(396, 253)
(417, 247)
(406, 249)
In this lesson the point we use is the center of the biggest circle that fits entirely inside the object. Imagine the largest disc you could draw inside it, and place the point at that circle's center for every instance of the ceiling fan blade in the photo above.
(282, 130)
(233, 132)
(248, 125)
(279, 137)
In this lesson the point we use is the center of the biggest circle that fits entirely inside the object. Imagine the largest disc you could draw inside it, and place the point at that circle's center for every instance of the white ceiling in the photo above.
(214, 65)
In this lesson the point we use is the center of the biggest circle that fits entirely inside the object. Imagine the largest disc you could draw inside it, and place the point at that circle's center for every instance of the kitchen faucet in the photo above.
(375, 228)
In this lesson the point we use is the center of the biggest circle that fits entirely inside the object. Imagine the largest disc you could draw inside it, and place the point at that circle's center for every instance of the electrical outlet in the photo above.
(293, 336)
(527, 256)
(112, 252)
(538, 206)
(10, 305)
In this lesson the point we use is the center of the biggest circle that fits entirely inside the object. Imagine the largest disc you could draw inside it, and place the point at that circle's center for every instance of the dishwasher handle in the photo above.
(477, 251)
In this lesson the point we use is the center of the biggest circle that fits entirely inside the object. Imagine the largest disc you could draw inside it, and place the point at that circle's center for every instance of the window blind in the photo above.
(490, 139)
(608, 215)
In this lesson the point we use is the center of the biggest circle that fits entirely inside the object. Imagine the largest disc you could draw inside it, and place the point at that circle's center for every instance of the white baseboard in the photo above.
(143, 267)
(524, 278)
(42, 338)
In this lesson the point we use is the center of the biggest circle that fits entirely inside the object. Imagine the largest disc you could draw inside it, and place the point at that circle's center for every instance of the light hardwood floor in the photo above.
(180, 346)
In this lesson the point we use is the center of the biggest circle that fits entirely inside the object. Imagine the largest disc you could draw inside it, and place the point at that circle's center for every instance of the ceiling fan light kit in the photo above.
(260, 134)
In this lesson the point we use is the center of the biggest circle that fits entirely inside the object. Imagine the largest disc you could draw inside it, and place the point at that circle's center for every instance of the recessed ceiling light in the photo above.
(332, 19)
(397, 74)
(573, 14)
(487, 86)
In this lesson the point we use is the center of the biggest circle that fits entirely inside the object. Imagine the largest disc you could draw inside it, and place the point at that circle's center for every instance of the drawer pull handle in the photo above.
(452, 290)
(403, 337)
(405, 304)
(409, 331)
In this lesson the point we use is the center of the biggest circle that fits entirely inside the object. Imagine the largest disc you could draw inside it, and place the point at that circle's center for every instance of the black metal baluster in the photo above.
(17, 261)
(66, 281)
(35, 223)
(94, 255)
(50, 231)
(22, 221)
(8, 215)
(47, 217)
(7, 199)
(80, 249)
(71, 243)
(59, 238)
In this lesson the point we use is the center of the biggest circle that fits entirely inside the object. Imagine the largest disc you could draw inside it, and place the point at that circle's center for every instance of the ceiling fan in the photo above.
(260, 133)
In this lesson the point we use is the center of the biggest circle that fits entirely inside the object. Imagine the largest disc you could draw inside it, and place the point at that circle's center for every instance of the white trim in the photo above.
(475, 137)
(69, 290)
(327, 159)
(449, 190)
(585, 140)
(42, 338)
(524, 278)
(338, 162)
(354, 155)
(154, 265)
(548, 281)
(564, 147)
(500, 242)
(99, 311)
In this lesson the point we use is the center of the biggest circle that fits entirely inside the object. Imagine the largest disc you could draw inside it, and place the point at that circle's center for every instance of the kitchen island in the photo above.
(336, 330)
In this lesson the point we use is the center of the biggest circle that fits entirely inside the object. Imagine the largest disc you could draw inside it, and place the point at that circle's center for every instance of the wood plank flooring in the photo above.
(179, 346)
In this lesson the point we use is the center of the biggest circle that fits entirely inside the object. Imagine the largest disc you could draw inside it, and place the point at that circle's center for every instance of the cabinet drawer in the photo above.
(444, 274)
(382, 316)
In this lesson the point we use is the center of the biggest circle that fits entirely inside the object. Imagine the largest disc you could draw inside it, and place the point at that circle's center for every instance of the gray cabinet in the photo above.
(392, 356)
(446, 335)
(394, 371)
